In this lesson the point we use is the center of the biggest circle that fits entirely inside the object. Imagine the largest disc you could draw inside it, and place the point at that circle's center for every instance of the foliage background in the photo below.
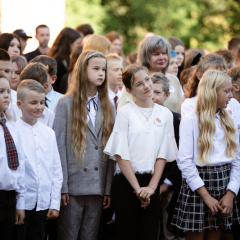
(198, 23)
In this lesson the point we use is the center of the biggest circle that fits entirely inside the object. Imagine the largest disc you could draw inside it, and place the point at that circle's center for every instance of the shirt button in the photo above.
(85, 169)
(37, 148)
(39, 178)
(35, 135)
(38, 162)
(38, 192)
(96, 148)
(96, 169)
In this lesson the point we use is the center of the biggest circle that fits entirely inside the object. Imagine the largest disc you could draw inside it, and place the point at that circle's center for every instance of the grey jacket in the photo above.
(95, 174)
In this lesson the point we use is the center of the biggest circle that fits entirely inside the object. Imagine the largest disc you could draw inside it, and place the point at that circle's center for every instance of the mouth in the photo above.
(6, 102)
(100, 79)
(148, 91)
(119, 79)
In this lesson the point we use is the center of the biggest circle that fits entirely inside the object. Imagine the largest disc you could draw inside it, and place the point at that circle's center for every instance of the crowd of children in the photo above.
(113, 158)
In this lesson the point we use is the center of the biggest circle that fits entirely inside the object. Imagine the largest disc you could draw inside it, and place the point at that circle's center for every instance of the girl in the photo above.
(12, 166)
(18, 64)
(210, 164)
(173, 65)
(61, 49)
(154, 53)
(83, 123)
(142, 141)
(10, 43)
(116, 43)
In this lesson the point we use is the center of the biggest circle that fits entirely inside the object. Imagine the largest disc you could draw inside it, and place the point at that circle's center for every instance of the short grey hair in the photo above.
(150, 45)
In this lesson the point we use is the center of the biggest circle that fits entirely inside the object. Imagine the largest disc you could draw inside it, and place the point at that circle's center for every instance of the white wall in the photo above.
(28, 14)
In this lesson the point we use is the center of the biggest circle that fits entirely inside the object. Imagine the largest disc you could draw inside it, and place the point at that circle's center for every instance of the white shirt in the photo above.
(43, 170)
(13, 96)
(140, 141)
(11, 179)
(188, 153)
(46, 118)
(52, 99)
(93, 112)
(112, 95)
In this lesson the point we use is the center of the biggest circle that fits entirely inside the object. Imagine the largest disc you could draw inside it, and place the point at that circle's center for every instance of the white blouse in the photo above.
(140, 141)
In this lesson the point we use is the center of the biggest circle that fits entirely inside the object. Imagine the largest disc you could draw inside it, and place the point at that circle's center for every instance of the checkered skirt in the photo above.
(193, 215)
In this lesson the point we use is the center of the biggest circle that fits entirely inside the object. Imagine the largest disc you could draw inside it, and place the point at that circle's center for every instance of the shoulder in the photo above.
(58, 94)
(49, 111)
(126, 110)
(47, 130)
(172, 78)
(65, 100)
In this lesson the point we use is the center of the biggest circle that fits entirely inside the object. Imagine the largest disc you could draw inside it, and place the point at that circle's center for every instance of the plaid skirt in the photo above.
(191, 214)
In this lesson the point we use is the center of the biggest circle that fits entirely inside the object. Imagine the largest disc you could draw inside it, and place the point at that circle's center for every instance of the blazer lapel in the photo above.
(98, 123)
(90, 125)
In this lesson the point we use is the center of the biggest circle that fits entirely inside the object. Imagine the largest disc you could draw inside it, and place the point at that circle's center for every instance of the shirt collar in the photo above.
(217, 115)
(27, 125)
(112, 94)
(3, 116)
(95, 98)
(50, 95)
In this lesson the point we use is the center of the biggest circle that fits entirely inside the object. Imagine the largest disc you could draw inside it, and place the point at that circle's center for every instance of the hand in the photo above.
(213, 204)
(163, 188)
(19, 217)
(106, 202)
(64, 199)
(52, 214)
(226, 203)
(145, 192)
(145, 202)
(110, 222)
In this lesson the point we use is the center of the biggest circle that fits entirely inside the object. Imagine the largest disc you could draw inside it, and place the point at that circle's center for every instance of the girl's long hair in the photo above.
(209, 85)
(78, 113)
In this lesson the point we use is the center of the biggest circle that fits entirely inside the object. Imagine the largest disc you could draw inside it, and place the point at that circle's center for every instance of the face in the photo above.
(224, 95)
(142, 87)
(15, 76)
(158, 60)
(6, 67)
(43, 36)
(14, 47)
(230, 65)
(5, 94)
(114, 73)
(23, 43)
(180, 54)
(76, 43)
(96, 71)
(173, 66)
(33, 105)
(116, 46)
(159, 95)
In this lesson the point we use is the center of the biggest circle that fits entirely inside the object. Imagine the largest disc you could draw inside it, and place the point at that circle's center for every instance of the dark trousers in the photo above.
(33, 227)
(7, 213)
(133, 221)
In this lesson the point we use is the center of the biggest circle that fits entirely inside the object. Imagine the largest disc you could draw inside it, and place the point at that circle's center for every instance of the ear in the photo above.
(19, 104)
(184, 88)
(54, 78)
(199, 76)
(45, 86)
(167, 96)
(128, 90)
(235, 88)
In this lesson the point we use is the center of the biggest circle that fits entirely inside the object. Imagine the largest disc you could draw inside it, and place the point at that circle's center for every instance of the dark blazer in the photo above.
(31, 55)
(61, 70)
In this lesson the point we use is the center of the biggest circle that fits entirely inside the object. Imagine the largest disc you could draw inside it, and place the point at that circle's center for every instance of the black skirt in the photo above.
(191, 214)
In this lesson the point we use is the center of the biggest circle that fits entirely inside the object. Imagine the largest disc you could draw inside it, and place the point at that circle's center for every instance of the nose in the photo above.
(13, 76)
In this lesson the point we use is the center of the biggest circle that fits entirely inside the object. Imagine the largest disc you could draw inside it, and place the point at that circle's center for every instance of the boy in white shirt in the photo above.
(38, 72)
(52, 96)
(114, 76)
(43, 171)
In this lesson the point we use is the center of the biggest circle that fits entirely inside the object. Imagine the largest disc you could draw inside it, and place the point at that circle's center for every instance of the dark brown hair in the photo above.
(234, 73)
(4, 55)
(185, 75)
(190, 54)
(41, 26)
(75, 54)
(234, 43)
(5, 40)
(85, 29)
(47, 61)
(132, 58)
(225, 54)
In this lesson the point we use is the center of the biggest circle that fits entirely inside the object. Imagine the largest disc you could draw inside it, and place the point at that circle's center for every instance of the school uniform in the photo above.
(47, 117)
(52, 99)
(114, 97)
(88, 182)
(12, 177)
(191, 213)
(141, 142)
(13, 96)
(43, 177)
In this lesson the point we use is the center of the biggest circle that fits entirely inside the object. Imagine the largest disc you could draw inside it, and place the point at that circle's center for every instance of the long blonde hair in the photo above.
(78, 113)
(209, 85)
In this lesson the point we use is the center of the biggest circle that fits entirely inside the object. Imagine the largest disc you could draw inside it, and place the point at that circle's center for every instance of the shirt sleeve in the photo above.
(124, 98)
(51, 117)
(186, 108)
(186, 155)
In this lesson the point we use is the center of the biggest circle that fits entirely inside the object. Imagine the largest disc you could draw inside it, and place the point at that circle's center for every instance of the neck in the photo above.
(113, 87)
(91, 90)
(152, 70)
(144, 103)
(43, 50)
(30, 121)
(236, 95)
(49, 89)
(1, 114)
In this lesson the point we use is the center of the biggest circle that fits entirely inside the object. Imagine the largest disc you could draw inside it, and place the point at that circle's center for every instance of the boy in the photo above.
(114, 77)
(227, 56)
(43, 171)
(171, 172)
(234, 74)
(52, 96)
(38, 72)
(173, 65)
(12, 165)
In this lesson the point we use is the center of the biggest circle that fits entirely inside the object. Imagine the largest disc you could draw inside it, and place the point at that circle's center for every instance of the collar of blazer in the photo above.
(98, 123)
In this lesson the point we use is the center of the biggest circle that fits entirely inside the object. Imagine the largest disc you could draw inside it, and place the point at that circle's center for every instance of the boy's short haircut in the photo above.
(36, 71)
(185, 76)
(160, 78)
(226, 55)
(3, 75)
(113, 56)
(4, 55)
(234, 74)
(47, 61)
(234, 43)
(29, 85)
(41, 26)
(85, 29)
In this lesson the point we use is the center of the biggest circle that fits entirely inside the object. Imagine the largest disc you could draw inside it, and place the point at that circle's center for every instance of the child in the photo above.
(114, 70)
(227, 56)
(210, 163)
(141, 142)
(234, 74)
(12, 164)
(171, 172)
(38, 72)
(173, 65)
(51, 96)
(43, 171)
(83, 124)
(184, 78)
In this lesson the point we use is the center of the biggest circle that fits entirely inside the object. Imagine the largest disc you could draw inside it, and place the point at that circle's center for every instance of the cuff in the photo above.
(64, 187)
(233, 186)
(196, 183)
(20, 203)
(168, 182)
(55, 205)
